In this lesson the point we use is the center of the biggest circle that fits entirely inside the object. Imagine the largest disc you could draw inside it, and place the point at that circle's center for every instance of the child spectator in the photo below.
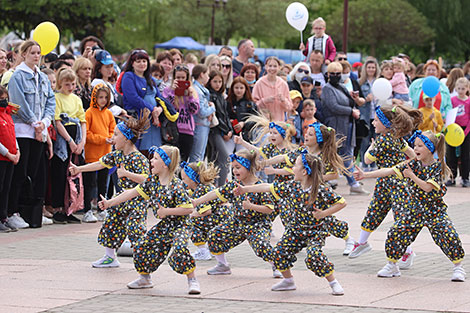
(319, 41)
(71, 139)
(308, 113)
(432, 118)
(51, 75)
(462, 102)
(398, 81)
(9, 156)
(294, 116)
(100, 125)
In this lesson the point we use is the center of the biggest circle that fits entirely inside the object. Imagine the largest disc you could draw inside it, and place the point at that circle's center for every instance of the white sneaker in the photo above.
(219, 269)
(88, 217)
(125, 249)
(277, 273)
(106, 261)
(140, 283)
(406, 261)
(359, 249)
(459, 274)
(336, 289)
(101, 215)
(17, 221)
(202, 255)
(358, 190)
(389, 270)
(193, 287)
(46, 221)
(284, 285)
(348, 248)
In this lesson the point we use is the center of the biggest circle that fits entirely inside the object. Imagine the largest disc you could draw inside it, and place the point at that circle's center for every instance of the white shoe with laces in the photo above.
(46, 221)
(101, 215)
(193, 286)
(284, 285)
(336, 289)
(359, 249)
(219, 269)
(349, 246)
(88, 217)
(389, 270)
(406, 261)
(459, 274)
(106, 261)
(277, 273)
(202, 255)
(141, 283)
(17, 221)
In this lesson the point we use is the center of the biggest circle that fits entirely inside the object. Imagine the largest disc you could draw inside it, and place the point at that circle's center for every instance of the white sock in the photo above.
(146, 276)
(458, 264)
(203, 247)
(110, 252)
(363, 236)
(409, 250)
(289, 280)
(221, 259)
(350, 239)
(333, 282)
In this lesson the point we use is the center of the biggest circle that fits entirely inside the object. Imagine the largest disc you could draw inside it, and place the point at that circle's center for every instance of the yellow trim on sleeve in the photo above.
(288, 169)
(171, 118)
(328, 173)
(219, 195)
(142, 193)
(205, 209)
(270, 206)
(342, 200)
(457, 261)
(432, 182)
(405, 148)
(276, 196)
(397, 172)
(262, 154)
(289, 163)
(370, 157)
(186, 206)
(105, 165)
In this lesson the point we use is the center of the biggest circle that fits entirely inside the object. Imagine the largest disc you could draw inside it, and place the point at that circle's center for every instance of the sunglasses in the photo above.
(335, 74)
(342, 59)
(226, 65)
(181, 67)
(303, 71)
(139, 51)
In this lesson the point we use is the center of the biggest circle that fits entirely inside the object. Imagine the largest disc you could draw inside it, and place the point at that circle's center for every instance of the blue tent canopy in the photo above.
(181, 43)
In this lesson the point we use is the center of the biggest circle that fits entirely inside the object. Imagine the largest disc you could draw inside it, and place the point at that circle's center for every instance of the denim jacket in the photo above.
(60, 145)
(33, 93)
(204, 109)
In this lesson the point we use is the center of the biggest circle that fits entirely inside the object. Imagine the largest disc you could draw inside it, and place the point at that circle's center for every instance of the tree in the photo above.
(380, 23)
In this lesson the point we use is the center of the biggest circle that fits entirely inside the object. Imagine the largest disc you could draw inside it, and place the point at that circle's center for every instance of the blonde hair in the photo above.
(369, 60)
(210, 58)
(65, 74)
(438, 140)
(25, 46)
(174, 155)
(81, 62)
(318, 21)
(462, 81)
(316, 175)
(345, 65)
(229, 81)
(207, 172)
(254, 157)
(138, 126)
(329, 149)
(273, 58)
(399, 62)
(334, 67)
(404, 119)
(261, 129)
(191, 58)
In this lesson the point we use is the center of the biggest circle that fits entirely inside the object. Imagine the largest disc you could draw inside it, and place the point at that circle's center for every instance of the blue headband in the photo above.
(305, 163)
(318, 133)
(166, 159)
(190, 172)
(281, 130)
(243, 161)
(382, 117)
(427, 142)
(126, 131)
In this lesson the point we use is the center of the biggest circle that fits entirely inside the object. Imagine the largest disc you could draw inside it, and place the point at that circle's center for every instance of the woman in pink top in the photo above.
(271, 92)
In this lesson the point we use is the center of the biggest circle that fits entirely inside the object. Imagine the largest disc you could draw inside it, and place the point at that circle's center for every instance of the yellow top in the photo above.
(71, 105)
(427, 123)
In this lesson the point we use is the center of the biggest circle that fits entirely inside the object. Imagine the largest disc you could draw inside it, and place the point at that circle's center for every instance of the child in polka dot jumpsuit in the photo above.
(391, 124)
(424, 205)
(250, 220)
(168, 198)
(311, 201)
(128, 218)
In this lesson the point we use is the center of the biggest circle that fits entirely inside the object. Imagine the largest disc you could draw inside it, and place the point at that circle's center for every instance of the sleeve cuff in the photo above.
(288, 169)
(370, 157)
(219, 195)
(104, 164)
(397, 172)
(262, 154)
(205, 209)
(436, 185)
(341, 201)
(289, 163)
(404, 148)
(273, 192)
(186, 206)
(270, 206)
(142, 193)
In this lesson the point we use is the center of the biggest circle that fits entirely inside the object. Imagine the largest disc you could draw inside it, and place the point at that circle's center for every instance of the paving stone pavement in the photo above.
(49, 269)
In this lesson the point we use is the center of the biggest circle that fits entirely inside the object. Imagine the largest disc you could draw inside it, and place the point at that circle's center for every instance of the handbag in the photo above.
(214, 121)
(73, 200)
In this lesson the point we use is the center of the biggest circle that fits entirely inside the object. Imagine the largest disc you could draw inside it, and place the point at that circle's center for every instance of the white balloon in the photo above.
(297, 15)
(382, 89)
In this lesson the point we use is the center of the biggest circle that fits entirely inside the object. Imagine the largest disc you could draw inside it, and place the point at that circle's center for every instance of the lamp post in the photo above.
(214, 4)
(345, 26)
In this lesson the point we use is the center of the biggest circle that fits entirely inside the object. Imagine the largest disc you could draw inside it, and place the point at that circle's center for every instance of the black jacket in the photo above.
(221, 111)
(241, 110)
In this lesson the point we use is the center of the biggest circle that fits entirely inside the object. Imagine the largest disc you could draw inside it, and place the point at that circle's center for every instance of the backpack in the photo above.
(73, 200)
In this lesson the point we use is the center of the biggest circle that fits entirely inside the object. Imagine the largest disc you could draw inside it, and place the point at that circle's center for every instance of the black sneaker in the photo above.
(4, 228)
(465, 183)
(450, 183)
(59, 218)
(72, 219)
(11, 227)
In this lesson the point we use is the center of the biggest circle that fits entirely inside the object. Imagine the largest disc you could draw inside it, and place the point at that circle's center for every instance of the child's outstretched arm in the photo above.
(135, 177)
(410, 153)
(275, 160)
(424, 185)
(162, 212)
(212, 195)
(240, 141)
(258, 188)
(248, 205)
(90, 167)
(123, 197)
(383, 172)
(338, 206)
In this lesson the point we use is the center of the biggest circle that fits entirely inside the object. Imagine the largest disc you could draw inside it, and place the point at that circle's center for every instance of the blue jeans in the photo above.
(201, 134)
(347, 151)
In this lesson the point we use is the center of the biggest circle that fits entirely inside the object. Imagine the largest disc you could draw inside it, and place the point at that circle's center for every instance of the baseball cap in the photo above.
(104, 57)
(306, 80)
(51, 57)
(357, 64)
(294, 94)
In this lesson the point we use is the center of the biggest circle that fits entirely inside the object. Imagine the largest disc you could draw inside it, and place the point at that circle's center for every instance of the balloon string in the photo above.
(301, 37)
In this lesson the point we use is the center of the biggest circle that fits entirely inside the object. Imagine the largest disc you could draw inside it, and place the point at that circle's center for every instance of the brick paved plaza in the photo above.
(49, 269)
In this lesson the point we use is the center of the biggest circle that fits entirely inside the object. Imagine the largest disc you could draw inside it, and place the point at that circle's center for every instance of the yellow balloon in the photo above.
(454, 135)
(46, 35)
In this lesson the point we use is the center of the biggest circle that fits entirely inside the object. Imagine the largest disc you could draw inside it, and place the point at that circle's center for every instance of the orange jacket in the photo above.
(100, 125)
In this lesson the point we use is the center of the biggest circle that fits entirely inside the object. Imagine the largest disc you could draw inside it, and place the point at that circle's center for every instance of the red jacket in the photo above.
(329, 49)
(7, 132)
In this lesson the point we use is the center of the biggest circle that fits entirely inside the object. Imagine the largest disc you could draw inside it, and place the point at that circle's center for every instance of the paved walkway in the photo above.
(49, 269)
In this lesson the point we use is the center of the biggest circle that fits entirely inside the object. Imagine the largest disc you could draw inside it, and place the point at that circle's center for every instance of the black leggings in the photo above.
(30, 161)
(6, 174)
(185, 144)
(90, 181)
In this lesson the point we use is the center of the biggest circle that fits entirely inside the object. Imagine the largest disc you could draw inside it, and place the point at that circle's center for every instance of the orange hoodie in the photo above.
(100, 125)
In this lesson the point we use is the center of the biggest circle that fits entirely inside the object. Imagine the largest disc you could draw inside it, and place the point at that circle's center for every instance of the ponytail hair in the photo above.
(404, 119)
(174, 155)
(138, 126)
(438, 140)
(329, 149)
(261, 129)
(316, 175)
(207, 172)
